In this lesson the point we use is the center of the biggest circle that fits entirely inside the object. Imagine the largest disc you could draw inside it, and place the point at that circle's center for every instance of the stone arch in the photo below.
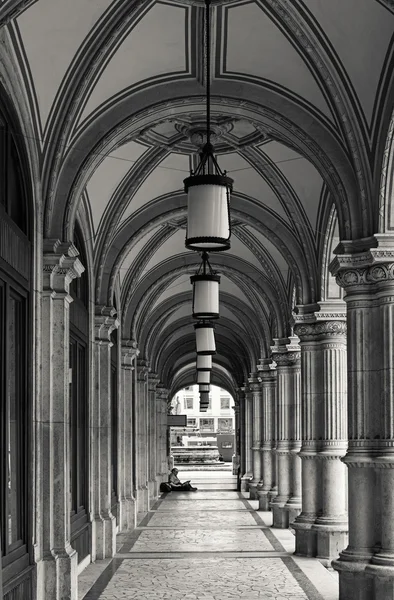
(288, 121)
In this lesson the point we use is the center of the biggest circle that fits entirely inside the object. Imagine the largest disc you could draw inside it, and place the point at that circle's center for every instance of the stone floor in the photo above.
(208, 545)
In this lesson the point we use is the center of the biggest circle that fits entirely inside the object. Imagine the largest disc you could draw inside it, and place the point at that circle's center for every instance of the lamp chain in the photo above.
(208, 67)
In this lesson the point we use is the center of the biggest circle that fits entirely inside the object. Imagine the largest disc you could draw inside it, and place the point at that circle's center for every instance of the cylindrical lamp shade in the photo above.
(205, 338)
(208, 218)
(204, 387)
(204, 398)
(205, 296)
(204, 362)
(204, 377)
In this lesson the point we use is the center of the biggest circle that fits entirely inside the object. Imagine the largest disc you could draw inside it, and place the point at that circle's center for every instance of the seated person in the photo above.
(177, 485)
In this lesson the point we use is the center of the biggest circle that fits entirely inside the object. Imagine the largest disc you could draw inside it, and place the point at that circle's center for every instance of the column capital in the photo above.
(60, 265)
(162, 392)
(286, 351)
(129, 352)
(365, 264)
(105, 322)
(254, 383)
(320, 330)
(142, 369)
(153, 381)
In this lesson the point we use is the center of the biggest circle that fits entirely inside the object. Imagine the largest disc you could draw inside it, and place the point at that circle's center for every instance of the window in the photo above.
(207, 424)
(192, 422)
(224, 403)
(188, 403)
(225, 425)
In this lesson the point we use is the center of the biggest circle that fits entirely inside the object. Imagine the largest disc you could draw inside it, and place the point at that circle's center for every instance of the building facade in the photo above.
(102, 117)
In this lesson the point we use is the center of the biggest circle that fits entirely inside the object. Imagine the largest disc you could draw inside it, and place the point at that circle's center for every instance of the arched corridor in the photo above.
(212, 544)
(107, 108)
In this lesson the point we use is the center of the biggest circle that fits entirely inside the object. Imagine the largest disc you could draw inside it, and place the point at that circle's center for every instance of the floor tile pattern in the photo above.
(195, 540)
(208, 545)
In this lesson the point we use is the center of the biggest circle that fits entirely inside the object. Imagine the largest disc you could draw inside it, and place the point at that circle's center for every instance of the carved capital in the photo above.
(320, 330)
(105, 322)
(129, 352)
(60, 265)
(364, 265)
(286, 359)
(153, 381)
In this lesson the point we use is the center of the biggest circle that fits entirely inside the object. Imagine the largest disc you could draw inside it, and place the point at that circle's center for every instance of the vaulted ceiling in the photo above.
(301, 92)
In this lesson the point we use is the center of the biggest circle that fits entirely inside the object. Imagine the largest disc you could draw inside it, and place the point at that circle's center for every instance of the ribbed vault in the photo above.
(298, 125)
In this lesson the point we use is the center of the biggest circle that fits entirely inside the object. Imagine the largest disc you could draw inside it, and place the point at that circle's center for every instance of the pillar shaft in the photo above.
(287, 357)
(141, 420)
(57, 561)
(255, 388)
(104, 524)
(127, 507)
(267, 374)
(366, 567)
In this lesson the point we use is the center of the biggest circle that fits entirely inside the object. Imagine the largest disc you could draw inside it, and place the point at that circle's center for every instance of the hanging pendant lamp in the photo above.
(203, 377)
(208, 188)
(205, 291)
(204, 387)
(205, 338)
(204, 362)
(204, 401)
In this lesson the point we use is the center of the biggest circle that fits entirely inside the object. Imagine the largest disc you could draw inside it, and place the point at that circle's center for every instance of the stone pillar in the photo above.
(140, 405)
(247, 476)
(237, 439)
(242, 445)
(267, 376)
(254, 386)
(331, 524)
(286, 355)
(321, 529)
(127, 504)
(162, 398)
(104, 523)
(365, 269)
(294, 503)
(152, 410)
(306, 542)
(56, 559)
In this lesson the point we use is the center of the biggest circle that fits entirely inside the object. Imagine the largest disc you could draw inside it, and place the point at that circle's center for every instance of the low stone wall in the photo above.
(195, 454)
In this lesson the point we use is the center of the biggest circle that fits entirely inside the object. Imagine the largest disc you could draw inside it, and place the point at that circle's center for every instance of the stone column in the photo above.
(162, 398)
(254, 385)
(247, 476)
(104, 523)
(365, 269)
(152, 409)
(242, 445)
(294, 503)
(141, 421)
(322, 526)
(267, 376)
(331, 524)
(286, 354)
(57, 563)
(127, 505)
(237, 439)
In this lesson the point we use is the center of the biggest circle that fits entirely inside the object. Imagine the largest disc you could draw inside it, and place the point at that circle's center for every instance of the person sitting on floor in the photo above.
(177, 485)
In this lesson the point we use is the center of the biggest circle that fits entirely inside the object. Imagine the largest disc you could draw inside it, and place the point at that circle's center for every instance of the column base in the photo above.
(127, 514)
(382, 579)
(253, 490)
(353, 580)
(152, 489)
(103, 536)
(280, 515)
(294, 511)
(272, 494)
(306, 537)
(331, 540)
(245, 481)
(57, 575)
(264, 500)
